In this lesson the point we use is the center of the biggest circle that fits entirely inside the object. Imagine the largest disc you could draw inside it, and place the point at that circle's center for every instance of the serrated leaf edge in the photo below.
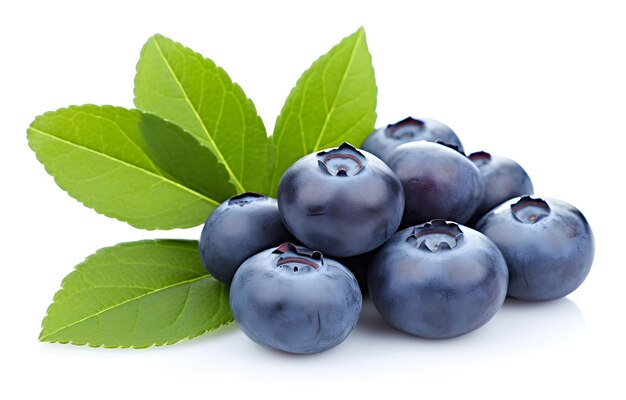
(360, 36)
(87, 204)
(102, 345)
(213, 146)
(168, 343)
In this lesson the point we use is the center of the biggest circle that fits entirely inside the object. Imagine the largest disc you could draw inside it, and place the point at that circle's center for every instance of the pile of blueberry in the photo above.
(437, 238)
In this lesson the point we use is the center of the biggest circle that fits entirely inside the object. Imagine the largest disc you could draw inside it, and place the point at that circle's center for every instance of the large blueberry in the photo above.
(438, 280)
(547, 243)
(239, 228)
(504, 179)
(292, 299)
(341, 201)
(384, 140)
(438, 182)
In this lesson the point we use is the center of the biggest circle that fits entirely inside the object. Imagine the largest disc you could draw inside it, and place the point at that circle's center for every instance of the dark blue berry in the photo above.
(438, 280)
(341, 201)
(438, 182)
(547, 243)
(504, 179)
(293, 299)
(239, 228)
(383, 141)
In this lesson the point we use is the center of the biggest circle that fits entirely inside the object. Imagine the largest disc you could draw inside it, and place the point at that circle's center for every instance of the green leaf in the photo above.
(334, 101)
(129, 165)
(137, 294)
(181, 86)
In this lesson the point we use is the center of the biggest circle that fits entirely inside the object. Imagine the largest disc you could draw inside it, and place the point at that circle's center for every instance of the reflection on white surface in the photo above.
(518, 325)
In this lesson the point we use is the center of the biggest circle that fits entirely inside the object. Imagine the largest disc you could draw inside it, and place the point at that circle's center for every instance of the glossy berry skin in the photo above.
(438, 182)
(342, 201)
(547, 243)
(384, 140)
(239, 228)
(504, 179)
(438, 280)
(292, 299)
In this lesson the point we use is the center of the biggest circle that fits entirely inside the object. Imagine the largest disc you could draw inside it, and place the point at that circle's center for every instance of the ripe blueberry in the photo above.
(239, 228)
(503, 179)
(341, 201)
(438, 280)
(438, 182)
(293, 299)
(547, 243)
(383, 141)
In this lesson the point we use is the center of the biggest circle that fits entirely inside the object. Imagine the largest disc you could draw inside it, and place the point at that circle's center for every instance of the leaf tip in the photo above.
(157, 36)
(43, 337)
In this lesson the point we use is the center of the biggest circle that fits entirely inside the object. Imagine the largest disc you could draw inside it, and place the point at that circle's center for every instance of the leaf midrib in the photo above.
(216, 149)
(104, 155)
(280, 135)
(339, 89)
(188, 281)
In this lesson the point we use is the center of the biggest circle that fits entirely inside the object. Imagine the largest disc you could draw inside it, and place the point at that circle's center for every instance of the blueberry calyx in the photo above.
(436, 235)
(296, 258)
(408, 128)
(480, 158)
(529, 210)
(344, 160)
(245, 198)
(451, 146)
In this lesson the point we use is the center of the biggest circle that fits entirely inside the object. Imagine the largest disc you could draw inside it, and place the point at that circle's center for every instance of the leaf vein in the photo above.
(97, 314)
(339, 89)
(152, 174)
(187, 99)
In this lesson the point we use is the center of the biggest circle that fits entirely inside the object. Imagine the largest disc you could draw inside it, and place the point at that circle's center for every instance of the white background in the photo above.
(542, 82)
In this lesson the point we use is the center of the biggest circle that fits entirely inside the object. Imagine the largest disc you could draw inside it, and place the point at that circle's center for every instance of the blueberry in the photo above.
(438, 182)
(293, 299)
(239, 228)
(383, 141)
(341, 201)
(504, 179)
(438, 280)
(547, 243)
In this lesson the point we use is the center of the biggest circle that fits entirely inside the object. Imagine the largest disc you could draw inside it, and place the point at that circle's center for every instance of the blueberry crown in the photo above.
(436, 235)
(408, 128)
(344, 160)
(450, 146)
(530, 210)
(245, 198)
(480, 158)
(291, 254)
